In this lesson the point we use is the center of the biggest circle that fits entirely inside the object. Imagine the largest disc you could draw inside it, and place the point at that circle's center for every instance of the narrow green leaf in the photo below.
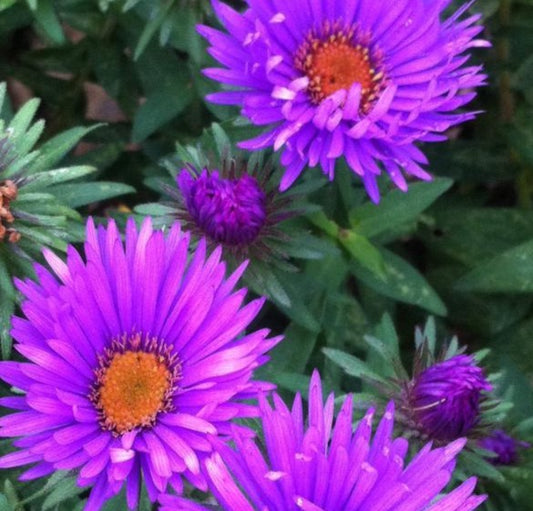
(22, 120)
(41, 180)
(48, 21)
(222, 140)
(294, 352)
(397, 207)
(63, 490)
(4, 504)
(402, 282)
(154, 209)
(157, 110)
(54, 149)
(30, 138)
(324, 223)
(43, 236)
(351, 365)
(363, 251)
(6, 311)
(80, 194)
(151, 27)
(511, 271)
(5, 4)
(475, 464)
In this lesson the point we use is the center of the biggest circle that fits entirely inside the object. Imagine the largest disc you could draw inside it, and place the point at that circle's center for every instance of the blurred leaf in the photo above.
(511, 271)
(62, 491)
(41, 180)
(471, 235)
(475, 464)
(48, 21)
(4, 4)
(158, 16)
(158, 110)
(324, 223)
(523, 78)
(4, 504)
(402, 282)
(293, 353)
(6, 311)
(54, 149)
(363, 251)
(81, 194)
(397, 207)
(351, 365)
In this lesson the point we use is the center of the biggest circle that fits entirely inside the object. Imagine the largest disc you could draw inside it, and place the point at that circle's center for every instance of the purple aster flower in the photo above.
(136, 357)
(355, 78)
(326, 467)
(504, 446)
(444, 399)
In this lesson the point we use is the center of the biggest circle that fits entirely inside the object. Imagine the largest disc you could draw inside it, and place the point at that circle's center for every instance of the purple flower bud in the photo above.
(231, 211)
(445, 398)
(505, 446)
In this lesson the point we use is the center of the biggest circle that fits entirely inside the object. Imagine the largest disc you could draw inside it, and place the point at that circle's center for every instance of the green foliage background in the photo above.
(459, 248)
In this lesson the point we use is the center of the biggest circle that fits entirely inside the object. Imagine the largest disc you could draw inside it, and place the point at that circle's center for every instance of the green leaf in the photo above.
(306, 246)
(402, 282)
(54, 149)
(6, 311)
(151, 27)
(363, 251)
(80, 194)
(476, 465)
(222, 141)
(154, 209)
(41, 180)
(293, 353)
(4, 504)
(62, 491)
(43, 236)
(351, 365)
(397, 207)
(5, 4)
(48, 22)
(324, 223)
(30, 138)
(158, 110)
(471, 235)
(22, 120)
(511, 271)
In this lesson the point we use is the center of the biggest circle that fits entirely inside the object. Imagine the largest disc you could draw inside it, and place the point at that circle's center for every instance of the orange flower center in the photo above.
(335, 63)
(133, 389)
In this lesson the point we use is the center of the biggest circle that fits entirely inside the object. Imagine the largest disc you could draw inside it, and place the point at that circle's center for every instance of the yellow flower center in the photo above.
(133, 389)
(337, 62)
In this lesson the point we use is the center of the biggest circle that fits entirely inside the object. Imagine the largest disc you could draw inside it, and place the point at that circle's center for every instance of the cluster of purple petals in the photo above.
(425, 73)
(445, 398)
(504, 446)
(328, 466)
(227, 211)
(151, 284)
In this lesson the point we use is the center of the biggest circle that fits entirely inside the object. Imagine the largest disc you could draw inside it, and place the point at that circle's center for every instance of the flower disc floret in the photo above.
(134, 383)
(136, 357)
(335, 59)
(354, 79)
